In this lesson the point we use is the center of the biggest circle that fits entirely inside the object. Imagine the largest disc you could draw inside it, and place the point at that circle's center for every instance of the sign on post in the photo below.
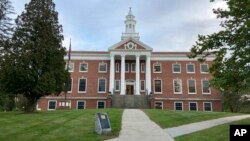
(102, 124)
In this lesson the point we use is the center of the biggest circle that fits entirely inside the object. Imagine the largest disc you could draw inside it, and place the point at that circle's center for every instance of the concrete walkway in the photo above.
(136, 126)
(193, 127)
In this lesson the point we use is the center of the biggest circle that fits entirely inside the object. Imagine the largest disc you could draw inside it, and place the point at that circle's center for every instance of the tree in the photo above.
(34, 63)
(5, 21)
(231, 48)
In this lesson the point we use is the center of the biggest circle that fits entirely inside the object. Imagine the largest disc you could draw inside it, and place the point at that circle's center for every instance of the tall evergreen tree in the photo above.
(231, 47)
(6, 10)
(34, 65)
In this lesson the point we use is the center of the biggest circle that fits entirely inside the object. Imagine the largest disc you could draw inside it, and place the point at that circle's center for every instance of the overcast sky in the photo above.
(165, 25)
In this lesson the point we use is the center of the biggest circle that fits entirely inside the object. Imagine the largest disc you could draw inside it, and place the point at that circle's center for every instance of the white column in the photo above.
(122, 74)
(137, 84)
(112, 74)
(148, 74)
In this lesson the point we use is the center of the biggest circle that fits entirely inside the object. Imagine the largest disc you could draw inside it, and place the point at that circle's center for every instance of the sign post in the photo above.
(102, 124)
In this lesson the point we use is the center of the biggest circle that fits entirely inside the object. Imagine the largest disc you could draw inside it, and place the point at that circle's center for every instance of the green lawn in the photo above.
(217, 133)
(166, 118)
(61, 125)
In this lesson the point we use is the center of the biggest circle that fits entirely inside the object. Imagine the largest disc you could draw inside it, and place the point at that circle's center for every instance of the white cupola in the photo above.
(130, 27)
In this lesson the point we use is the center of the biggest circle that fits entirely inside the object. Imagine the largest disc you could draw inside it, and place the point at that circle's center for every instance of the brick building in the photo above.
(168, 80)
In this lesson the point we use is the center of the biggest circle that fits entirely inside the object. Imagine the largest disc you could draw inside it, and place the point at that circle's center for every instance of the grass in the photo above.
(166, 119)
(217, 133)
(61, 125)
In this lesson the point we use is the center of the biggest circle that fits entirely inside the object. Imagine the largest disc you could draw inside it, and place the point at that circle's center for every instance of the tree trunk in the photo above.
(30, 104)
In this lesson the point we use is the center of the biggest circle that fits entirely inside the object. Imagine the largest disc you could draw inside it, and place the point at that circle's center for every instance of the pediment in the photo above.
(130, 44)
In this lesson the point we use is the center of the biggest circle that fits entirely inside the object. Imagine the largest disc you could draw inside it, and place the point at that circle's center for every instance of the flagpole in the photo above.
(67, 82)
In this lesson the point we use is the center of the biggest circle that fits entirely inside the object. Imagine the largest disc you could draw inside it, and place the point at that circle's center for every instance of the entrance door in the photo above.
(129, 89)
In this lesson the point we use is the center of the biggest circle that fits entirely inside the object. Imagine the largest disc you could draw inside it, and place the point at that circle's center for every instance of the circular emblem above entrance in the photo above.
(130, 45)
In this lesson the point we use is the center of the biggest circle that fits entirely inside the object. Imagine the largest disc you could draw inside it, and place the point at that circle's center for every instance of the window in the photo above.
(101, 104)
(102, 67)
(205, 87)
(204, 68)
(190, 68)
(158, 105)
(65, 103)
(126, 67)
(178, 106)
(117, 85)
(101, 85)
(176, 68)
(83, 67)
(132, 67)
(52, 105)
(70, 68)
(192, 106)
(82, 85)
(157, 68)
(207, 106)
(142, 67)
(69, 85)
(177, 86)
(158, 86)
(117, 67)
(80, 104)
(142, 85)
(191, 86)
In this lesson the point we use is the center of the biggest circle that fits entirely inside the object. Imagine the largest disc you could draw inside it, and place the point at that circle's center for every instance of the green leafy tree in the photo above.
(231, 48)
(6, 10)
(34, 62)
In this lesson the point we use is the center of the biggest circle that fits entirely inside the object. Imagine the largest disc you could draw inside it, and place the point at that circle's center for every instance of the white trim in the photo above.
(119, 85)
(106, 66)
(55, 104)
(142, 70)
(117, 67)
(202, 87)
(144, 85)
(211, 104)
(81, 101)
(173, 68)
(181, 105)
(201, 69)
(194, 86)
(67, 102)
(127, 71)
(69, 64)
(85, 85)
(131, 70)
(161, 87)
(187, 68)
(104, 87)
(196, 106)
(157, 64)
(97, 103)
(176, 57)
(180, 86)
(159, 102)
(71, 86)
(80, 67)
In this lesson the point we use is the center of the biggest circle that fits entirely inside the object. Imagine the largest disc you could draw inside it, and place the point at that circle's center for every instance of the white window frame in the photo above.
(202, 87)
(80, 67)
(67, 103)
(97, 103)
(85, 86)
(196, 106)
(126, 71)
(192, 65)
(131, 64)
(142, 70)
(194, 86)
(180, 86)
(210, 104)
(71, 86)
(105, 85)
(73, 66)
(161, 87)
(201, 69)
(119, 85)
(159, 102)
(144, 85)
(173, 68)
(117, 67)
(55, 105)
(81, 101)
(157, 64)
(181, 105)
(105, 67)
